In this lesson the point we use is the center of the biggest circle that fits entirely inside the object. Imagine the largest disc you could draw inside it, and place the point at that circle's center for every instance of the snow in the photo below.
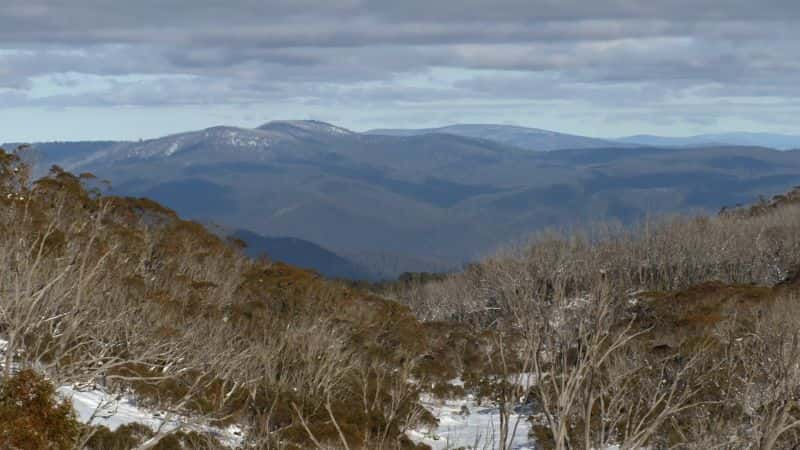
(464, 423)
(260, 141)
(100, 408)
(96, 407)
(233, 137)
(227, 137)
(173, 148)
(3, 350)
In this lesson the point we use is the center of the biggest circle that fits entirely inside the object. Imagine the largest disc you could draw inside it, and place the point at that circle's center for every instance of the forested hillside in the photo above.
(123, 296)
(422, 202)
(681, 332)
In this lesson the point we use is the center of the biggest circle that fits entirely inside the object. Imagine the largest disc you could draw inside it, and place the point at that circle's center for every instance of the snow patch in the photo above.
(173, 148)
(464, 423)
(96, 407)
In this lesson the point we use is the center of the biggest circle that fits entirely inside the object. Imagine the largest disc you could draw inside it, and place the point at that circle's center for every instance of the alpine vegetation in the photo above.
(124, 326)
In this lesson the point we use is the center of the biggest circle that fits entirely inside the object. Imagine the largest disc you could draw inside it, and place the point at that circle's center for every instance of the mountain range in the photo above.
(770, 140)
(545, 140)
(417, 200)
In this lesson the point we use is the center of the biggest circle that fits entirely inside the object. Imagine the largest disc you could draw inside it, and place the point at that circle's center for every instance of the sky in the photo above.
(120, 69)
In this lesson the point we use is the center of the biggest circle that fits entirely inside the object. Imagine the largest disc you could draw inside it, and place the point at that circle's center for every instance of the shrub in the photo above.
(188, 441)
(31, 417)
(125, 437)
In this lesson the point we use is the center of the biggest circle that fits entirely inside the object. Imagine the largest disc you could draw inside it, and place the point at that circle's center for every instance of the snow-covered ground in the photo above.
(98, 408)
(95, 407)
(465, 424)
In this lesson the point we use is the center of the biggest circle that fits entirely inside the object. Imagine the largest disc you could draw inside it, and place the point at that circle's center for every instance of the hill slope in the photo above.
(301, 253)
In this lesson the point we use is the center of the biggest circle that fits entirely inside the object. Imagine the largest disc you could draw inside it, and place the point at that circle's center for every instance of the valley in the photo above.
(419, 200)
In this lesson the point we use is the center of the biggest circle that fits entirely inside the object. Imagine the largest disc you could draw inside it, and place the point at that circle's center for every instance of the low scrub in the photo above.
(32, 417)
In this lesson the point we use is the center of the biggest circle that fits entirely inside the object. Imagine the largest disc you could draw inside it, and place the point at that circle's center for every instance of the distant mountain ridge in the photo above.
(544, 140)
(527, 138)
(769, 140)
(433, 201)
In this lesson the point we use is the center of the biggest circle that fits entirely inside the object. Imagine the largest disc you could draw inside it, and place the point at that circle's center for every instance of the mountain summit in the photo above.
(305, 128)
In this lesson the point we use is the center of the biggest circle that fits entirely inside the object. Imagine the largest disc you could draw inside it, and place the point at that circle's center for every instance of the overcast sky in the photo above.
(92, 69)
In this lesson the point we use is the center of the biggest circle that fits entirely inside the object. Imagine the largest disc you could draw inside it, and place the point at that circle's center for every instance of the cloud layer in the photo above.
(661, 62)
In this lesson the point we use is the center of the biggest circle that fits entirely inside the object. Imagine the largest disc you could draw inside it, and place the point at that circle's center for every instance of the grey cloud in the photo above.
(117, 15)
(612, 54)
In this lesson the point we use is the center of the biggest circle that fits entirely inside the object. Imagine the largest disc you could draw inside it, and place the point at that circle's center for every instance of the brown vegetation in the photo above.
(678, 333)
(122, 293)
(32, 418)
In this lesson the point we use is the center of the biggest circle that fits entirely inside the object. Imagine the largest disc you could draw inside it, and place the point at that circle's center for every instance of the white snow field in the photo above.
(465, 424)
(95, 407)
